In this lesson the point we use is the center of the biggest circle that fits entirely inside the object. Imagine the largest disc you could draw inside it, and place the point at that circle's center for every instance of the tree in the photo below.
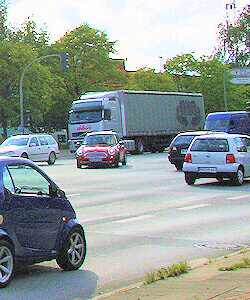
(147, 80)
(90, 66)
(206, 75)
(235, 40)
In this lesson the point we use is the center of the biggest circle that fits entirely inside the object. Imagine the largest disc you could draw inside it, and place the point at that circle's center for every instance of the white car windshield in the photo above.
(15, 141)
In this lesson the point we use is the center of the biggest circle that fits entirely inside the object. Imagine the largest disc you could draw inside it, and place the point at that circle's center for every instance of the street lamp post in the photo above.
(160, 57)
(21, 89)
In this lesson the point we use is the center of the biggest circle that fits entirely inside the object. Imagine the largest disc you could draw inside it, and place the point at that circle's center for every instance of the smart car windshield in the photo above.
(17, 141)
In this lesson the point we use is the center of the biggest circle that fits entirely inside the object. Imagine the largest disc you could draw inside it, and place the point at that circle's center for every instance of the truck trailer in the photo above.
(145, 120)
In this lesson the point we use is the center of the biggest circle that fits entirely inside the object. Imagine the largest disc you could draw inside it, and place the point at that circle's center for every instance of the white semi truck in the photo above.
(145, 120)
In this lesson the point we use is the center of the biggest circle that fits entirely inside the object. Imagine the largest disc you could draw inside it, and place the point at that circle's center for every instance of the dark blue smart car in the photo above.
(37, 222)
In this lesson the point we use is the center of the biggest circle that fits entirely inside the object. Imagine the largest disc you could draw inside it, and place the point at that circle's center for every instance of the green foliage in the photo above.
(48, 92)
(148, 80)
(206, 75)
(90, 66)
(173, 270)
(235, 40)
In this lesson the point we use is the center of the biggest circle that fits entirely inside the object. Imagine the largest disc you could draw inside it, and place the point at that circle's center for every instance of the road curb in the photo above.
(194, 264)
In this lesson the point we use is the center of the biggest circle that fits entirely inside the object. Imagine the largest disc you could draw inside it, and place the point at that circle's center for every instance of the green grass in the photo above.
(163, 273)
(245, 263)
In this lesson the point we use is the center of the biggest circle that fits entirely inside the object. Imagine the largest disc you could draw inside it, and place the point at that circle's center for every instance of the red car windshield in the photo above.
(102, 139)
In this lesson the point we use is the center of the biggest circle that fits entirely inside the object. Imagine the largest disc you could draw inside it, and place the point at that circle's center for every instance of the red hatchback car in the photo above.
(101, 148)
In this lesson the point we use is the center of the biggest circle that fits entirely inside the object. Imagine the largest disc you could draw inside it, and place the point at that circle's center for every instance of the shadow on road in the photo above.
(49, 282)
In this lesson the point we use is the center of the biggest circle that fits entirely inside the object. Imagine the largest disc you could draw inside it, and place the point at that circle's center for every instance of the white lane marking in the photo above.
(133, 219)
(74, 195)
(190, 207)
(238, 197)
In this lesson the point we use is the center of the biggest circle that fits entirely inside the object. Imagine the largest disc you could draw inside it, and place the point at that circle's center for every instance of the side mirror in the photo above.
(54, 191)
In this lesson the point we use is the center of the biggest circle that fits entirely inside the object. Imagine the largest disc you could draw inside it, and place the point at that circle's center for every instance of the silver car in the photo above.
(36, 147)
(218, 156)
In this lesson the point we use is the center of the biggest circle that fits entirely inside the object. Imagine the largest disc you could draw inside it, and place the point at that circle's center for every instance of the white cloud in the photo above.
(145, 29)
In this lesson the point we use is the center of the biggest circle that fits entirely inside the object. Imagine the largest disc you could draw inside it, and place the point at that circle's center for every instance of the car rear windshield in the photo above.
(183, 140)
(210, 145)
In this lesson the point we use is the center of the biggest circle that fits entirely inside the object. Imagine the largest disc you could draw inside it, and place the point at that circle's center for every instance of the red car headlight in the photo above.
(112, 151)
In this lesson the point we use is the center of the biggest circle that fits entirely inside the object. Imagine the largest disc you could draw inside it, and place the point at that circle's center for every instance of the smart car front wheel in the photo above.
(73, 251)
(6, 263)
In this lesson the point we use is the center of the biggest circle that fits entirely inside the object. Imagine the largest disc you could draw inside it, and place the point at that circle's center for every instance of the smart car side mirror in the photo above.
(54, 191)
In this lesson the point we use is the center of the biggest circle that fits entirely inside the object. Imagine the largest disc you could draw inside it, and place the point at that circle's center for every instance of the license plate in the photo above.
(207, 169)
(184, 151)
(95, 159)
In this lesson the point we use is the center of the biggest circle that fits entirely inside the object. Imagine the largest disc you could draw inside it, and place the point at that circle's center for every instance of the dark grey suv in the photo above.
(179, 145)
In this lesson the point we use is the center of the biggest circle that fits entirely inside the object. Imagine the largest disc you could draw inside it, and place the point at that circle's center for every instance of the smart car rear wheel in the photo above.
(238, 177)
(190, 178)
(6, 263)
(52, 158)
(73, 251)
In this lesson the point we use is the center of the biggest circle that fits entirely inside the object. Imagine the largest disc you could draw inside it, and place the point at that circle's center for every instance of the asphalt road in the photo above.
(137, 218)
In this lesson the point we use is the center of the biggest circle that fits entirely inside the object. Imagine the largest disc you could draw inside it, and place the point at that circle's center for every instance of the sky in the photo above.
(148, 32)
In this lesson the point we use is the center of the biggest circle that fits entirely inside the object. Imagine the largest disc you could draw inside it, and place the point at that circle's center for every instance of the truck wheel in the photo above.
(139, 145)
(190, 178)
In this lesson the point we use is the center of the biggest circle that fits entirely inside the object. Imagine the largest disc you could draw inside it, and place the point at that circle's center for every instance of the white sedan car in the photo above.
(218, 156)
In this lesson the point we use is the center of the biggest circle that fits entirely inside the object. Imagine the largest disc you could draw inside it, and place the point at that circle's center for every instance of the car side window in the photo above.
(34, 142)
(43, 140)
(51, 140)
(246, 142)
(26, 180)
(7, 181)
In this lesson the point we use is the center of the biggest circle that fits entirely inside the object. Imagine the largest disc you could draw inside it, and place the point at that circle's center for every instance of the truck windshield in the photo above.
(85, 116)
(218, 125)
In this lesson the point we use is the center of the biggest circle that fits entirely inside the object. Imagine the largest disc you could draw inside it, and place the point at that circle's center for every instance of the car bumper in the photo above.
(213, 171)
(103, 161)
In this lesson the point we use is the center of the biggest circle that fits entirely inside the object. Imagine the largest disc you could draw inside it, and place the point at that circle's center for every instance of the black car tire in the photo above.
(237, 178)
(116, 163)
(78, 164)
(124, 162)
(7, 262)
(52, 158)
(73, 251)
(179, 166)
(190, 178)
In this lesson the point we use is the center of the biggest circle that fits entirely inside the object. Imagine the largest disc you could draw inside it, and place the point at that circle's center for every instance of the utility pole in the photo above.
(230, 20)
